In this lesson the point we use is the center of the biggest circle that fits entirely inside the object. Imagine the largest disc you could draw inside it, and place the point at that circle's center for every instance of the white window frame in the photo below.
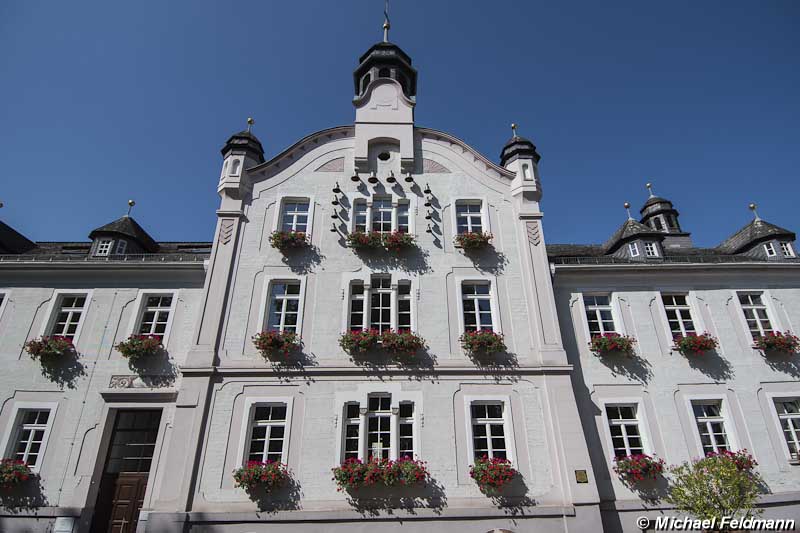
(494, 301)
(650, 249)
(727, 420)
(633, 249)
(766, 299)
(691, 303)
(769, 248)
(787, 249)
(397, 278)
(615, 313)
(485, 219)
(9, 436)
(278, 216)
(104, 251)
(508, 425)
(141, 303)
(771, 399)
(55, 305)
(641, 420)
(395, 200)
(265, 295)
(4, 302)
(250, 404)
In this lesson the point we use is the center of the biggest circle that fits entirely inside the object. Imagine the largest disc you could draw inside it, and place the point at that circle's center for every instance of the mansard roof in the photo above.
(756, 231)
(629, 230)
(127, 227)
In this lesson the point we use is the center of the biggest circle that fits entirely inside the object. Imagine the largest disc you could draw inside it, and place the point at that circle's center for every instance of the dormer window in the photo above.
(122, 246)
(786, 248)
(650, 249)
(770, 249)
(103, 247)
(633, 248)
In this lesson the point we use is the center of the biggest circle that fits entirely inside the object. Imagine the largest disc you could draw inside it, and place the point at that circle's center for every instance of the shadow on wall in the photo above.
(286, 498)
(155, 371)
(488, 259)
(786, 363)
(514, 499)
(413, 260)
(712, 365)
(632, 367)
(303, 260)
(419, 367)
(498, 366)
(22, 499)
(65, 370)
(294, 366)
(375, 500)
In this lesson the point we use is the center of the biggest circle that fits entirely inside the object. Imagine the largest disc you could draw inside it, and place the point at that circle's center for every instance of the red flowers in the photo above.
(285, 240)
(742, 459)
(482, 341)
(137, 346)
(359, 341)
(354, 473)
(271, 343)
(473, 240)
(694, 344)
(13, 472)
(394, 241)
(608, 343)
(403, 343)
(49, 347)
(636, 467)
(254, 474)
(397, 241)
(775, 341)
(493, 474)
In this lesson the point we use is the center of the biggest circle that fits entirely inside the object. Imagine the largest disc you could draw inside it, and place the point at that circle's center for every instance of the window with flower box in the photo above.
(755, 313)
(155, 314)
(489, 429)
(382, 429)
(788, 410)
(29, 432)
(599, 315)
(381, 305)
(469, 216)
(267, 433)
(284, 306)
(476, 301)
(294, 215)
(710, 422)
(67, 315)
(679, 314)
(381, 214)
(623, 422)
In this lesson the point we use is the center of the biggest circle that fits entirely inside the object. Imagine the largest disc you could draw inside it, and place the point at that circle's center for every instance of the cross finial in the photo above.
(386, 24)
(650, 189)
(250, 123)
(627, 207)
(755, 213)
(514, 129)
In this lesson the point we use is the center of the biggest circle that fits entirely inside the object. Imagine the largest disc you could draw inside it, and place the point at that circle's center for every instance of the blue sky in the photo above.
(104, 101)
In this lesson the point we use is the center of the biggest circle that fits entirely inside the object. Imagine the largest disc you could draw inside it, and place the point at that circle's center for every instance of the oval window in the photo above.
(384, 156)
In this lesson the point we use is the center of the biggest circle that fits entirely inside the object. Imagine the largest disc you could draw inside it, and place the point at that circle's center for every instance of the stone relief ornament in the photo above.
(429, 166)
(226, 231)
(334, 165)
(534, 235)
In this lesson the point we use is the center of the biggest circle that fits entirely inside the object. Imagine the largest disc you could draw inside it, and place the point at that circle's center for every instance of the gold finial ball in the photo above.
(648, 184)
(626, 205)
(250, 121)
(752, 207)
(131, 203)
(513, 125)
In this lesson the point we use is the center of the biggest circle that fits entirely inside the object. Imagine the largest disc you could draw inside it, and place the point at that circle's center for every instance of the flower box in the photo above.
(397, 241)
(361, 240)
(359, 341)
(257, 475)
(286, 240)
(694, 344)
(139, 346)
(742, 459)
(47, 349)
(493, 474)
(13, 472)
(473, 240)
(274, 343)
(609, 343)
(482, 342)
(402, 343)
(356, 474)
(637, 467)
(775, 341)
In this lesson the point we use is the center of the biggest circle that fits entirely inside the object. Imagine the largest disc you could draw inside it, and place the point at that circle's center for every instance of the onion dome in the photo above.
(518, 147)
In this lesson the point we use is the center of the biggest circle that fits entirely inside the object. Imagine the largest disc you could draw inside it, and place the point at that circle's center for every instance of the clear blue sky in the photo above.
(104, 101)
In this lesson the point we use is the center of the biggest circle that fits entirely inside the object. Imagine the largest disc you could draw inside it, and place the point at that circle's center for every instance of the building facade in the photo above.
(128, 445)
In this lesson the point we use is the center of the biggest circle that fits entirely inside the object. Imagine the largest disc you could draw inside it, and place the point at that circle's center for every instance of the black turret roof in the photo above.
(127, 227)
(757, 230)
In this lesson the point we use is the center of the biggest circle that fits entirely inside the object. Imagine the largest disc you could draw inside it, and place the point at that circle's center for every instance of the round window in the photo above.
(384, 156)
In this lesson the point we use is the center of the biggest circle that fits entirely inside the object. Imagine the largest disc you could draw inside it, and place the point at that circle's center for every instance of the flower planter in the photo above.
(742, 459)
(638, 467)
(611, 343)
(137, 347)
(355, 474)
(694, 344)
(398, 241)
(482, 342)
(472, 240)
(266, 476)
(13, 472)
(777, 342)
(404, 344)
(361, 240)
(359, 341)
(493, 474)
(49, 349)
(287, 240)
(272, 344)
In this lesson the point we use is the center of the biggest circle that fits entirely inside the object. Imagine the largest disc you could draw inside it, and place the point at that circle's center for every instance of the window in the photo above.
(598, 314)
(488, 430)
(710, 425)
(788, 410)
(68, 316)
(755, 313)
(786, 248)
(381, 306)
(770, 249)
(267, 433)
(633, 248)
(360, 216)
(623, 424)
(402, 217)
(477, 304)
(122, 246)
(673, 222)
(650, 249)
(389, 429)
(657, 224)
(103, 247)
(469, 218)
(155, 315)
(284, 306)
(382, 215)
(295, 215)
(679, 315)
(29, 436)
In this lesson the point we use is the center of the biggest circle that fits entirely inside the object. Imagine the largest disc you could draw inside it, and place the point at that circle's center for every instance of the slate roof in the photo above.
(757, 230)
(12, 241)
(654, 200)
(128, 227)
(630, 229)
(517, 145)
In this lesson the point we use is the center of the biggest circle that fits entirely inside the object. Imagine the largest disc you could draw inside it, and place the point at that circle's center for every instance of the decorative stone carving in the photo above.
(122, 382)
(134, 381)
(429, 166)
(226, 231)
(534, 235)
(334, 165)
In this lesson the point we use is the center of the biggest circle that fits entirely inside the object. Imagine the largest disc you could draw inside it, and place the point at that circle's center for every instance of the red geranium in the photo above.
(695, 344)
(636, 467)
(255, 474)
(493, 474)
(775, 341)
(612, 343)
(13, 472)
(271, 343)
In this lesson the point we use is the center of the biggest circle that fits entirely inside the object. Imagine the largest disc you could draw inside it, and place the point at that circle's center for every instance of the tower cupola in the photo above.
(659, 214)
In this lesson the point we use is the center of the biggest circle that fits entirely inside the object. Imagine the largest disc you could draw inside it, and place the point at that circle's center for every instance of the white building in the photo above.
(107, 438)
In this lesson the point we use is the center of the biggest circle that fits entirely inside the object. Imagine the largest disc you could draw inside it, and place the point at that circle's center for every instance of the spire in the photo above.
(627, 207)
(650, 189)
(756, 218)
(386, 24)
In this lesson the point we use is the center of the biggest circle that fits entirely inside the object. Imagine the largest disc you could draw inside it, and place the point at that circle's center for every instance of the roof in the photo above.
(12, 241)
(630, 229)
(128, 227)
(654, 200)
(247, 141)
(182, 251)
(517, 146)
(757, 230)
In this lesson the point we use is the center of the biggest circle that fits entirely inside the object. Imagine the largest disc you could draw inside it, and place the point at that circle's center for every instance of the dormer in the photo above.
(635, 241)
(762, 240)
(124, 236)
